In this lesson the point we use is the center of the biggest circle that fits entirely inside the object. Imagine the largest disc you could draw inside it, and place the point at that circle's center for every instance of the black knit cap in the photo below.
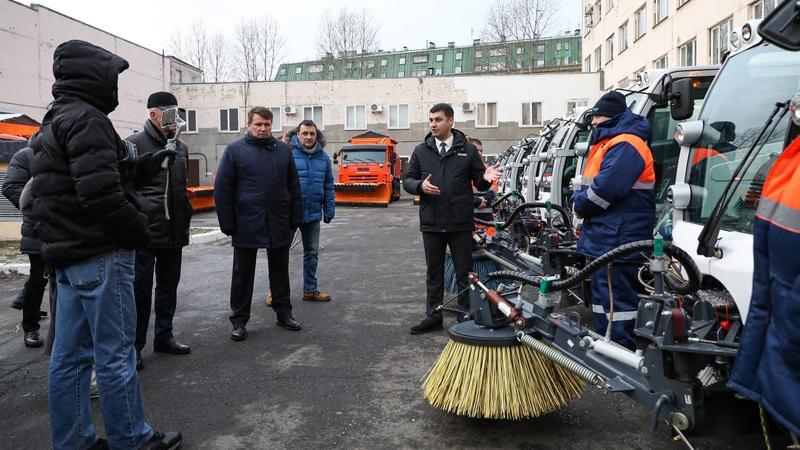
(610, 104)
(161, 100)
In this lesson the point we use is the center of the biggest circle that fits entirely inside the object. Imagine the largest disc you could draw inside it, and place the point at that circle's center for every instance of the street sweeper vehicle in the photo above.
(523, 357)
(369, 171)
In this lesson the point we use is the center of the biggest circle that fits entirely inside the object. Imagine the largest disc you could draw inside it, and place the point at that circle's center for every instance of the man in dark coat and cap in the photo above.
(162, 194)
(90, 224)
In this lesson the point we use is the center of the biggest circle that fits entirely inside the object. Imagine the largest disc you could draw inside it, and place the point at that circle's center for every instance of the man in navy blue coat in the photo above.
(257, 195)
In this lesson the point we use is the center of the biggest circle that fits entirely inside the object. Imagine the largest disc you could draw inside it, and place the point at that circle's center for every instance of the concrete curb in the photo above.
(206, 238)
(20, 268)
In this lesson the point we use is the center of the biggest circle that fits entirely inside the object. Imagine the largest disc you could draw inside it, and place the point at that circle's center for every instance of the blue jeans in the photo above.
(310, 234)
(96, 321)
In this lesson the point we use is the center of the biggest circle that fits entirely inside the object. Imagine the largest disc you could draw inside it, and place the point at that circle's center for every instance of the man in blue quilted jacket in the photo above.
(316, 185)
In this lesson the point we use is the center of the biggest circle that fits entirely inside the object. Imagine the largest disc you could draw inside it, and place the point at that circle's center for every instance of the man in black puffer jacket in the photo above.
(17, 176)
(87, 217)
(168, 216)
(442, 171)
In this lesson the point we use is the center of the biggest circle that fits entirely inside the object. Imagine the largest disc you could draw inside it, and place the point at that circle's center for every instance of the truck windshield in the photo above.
(352, 156)
(735, 110)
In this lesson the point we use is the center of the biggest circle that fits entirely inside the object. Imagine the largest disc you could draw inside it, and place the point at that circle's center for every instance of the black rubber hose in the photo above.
(676, 285)
(484, 222)
(564, 213)
(512, 193)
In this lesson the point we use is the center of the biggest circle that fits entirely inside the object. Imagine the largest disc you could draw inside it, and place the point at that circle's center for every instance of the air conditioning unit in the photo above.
(376, 107)
(289, 110)
(468, 107)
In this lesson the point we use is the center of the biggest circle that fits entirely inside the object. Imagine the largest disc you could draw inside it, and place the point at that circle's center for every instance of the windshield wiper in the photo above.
(707, 241)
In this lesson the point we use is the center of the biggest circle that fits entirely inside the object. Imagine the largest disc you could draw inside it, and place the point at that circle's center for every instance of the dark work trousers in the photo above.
(34, 291)
(167, 267)
(625, 282)
(244, 271)
(460, 244)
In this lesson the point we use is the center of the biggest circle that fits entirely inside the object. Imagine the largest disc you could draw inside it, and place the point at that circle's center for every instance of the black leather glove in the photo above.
(327, 219)
(157, 158)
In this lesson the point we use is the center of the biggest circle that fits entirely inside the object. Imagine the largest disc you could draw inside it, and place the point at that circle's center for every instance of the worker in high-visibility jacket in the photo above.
(617, 203)
(767, 367)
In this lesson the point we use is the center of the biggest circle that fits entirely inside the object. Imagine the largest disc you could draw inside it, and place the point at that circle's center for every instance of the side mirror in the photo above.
(682, 105)
(781, 27)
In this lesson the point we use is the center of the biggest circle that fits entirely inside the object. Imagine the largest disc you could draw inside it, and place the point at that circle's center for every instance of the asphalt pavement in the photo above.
(349, 379)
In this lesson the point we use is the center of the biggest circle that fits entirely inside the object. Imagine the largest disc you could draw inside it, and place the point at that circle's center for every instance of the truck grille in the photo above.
(364, 178)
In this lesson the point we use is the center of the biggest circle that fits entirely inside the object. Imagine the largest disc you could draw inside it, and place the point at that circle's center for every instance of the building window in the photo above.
(437, 71)
(459, 56)
(540, 48)
(178, 76)
(623, 37)
(598, 10)
(598, 58)
(398, 117)
(577, 103)
(660, 11)
(314, 113)
(282, 71)
(487, 115)
(566, 46)
(369, 64)
(520, 50)
(609, 49)
(439, 57)
(420, 59)
(587, 64)
(719, 40)
(661, 63)
(610, 5)
(316, 68)
(401, 74)
(497, 52)
(640, 20)
(458, 69)
(298, 70)
(566, 61)
(420, 72)
(356, 117)
(229, 120)
(540, 62)
(276, 117)
(558, 46)
(531, 114)
(478, 53)
(402, 60)
(190, 117)
(682, 2)
(761, 8)
(383, 63)
(688, 53)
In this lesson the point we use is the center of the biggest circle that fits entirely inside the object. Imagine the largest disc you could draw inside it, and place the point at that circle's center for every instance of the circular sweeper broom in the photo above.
(484, 371)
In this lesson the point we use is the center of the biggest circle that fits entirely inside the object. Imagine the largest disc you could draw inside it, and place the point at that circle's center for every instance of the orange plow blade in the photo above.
(362, 194)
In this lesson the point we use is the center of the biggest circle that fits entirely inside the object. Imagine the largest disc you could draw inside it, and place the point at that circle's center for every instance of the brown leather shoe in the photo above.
(316, 296)
(269, 299)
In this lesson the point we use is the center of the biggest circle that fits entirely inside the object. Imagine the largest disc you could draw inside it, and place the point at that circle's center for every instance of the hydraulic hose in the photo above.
(564, 214)
(678, 286)
(510, 194)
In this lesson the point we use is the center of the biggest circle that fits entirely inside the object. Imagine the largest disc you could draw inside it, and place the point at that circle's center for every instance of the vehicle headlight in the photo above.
(747, 32)
(794, 109)
(679, 134)
(735, 40)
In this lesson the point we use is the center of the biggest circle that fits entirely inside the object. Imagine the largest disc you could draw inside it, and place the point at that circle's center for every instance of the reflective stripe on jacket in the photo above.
(767, 366)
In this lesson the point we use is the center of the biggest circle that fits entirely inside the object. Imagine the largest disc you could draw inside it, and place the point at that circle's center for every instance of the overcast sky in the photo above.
(408, 23)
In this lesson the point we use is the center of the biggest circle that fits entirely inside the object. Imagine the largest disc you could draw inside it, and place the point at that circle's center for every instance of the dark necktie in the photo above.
(443, 145)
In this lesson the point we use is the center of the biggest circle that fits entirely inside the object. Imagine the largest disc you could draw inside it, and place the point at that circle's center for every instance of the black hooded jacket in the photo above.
(454, 174)
(17, 176)
(83, 198)
(172, 233)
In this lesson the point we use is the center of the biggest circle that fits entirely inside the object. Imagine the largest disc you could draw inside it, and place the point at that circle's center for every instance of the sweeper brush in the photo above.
(486, 373)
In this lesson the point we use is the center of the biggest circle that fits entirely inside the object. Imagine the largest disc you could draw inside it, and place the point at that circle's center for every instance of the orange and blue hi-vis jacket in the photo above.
(767, 366)
(617, 197)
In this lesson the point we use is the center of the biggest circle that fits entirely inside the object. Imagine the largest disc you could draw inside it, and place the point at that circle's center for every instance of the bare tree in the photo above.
(218, 61)
(193, 46)
(519, 20)
(345, 33)
(270, 45)
(246, 51)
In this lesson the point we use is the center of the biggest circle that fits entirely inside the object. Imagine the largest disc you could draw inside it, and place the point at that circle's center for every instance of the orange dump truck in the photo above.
(369, 171)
